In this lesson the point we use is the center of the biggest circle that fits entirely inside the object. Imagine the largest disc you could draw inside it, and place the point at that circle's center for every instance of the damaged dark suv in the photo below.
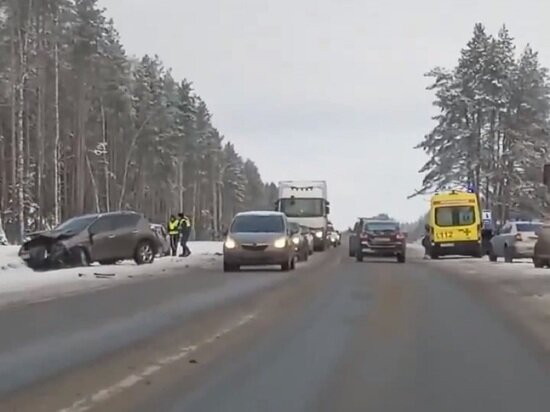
(105, 238)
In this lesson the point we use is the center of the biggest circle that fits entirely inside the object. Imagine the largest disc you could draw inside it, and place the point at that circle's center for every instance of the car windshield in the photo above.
(528, 227)
(76, 224)
(258, 224)
(381, 226)
(299, 207)
(455, 216)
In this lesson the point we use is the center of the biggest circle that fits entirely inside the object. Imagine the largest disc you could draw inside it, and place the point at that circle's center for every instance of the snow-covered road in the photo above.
(519, 287)
(18, 283)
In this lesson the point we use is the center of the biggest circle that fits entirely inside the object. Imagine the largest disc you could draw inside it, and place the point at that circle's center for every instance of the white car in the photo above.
(514, 240)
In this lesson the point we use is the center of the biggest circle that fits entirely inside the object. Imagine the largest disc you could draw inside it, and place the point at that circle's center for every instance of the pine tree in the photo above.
(492, 126)
(84, 128)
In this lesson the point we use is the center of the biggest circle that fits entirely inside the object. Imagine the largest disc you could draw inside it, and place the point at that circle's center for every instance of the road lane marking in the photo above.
(88, 402)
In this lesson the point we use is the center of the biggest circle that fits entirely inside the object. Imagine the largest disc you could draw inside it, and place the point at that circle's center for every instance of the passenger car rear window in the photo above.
(103, 224)
(258, 224)
(381, 226)
(125, 221)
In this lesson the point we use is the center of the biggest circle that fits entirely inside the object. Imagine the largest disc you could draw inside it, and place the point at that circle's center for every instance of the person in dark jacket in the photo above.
(185, 232)
(174, 233)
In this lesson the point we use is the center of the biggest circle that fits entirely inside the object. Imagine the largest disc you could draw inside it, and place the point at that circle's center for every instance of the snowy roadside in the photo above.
(519, 288)
(19, 284)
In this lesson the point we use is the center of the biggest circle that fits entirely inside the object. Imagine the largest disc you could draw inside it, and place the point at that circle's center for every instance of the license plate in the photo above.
(382, 239)
(447, 244)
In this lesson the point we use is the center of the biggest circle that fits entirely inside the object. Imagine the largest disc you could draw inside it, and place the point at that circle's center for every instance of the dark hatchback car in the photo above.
(104, 238)
(381, 238)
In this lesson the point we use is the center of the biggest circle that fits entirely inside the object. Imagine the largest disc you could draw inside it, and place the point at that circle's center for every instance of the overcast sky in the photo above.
(324, 89)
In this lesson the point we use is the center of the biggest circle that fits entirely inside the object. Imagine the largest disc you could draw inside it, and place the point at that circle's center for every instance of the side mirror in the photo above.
(327, 210)
(225, 232)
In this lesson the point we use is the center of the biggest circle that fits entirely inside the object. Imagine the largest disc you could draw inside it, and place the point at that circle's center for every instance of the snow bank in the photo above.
(20, 283)
(520, 289)
(520, 269)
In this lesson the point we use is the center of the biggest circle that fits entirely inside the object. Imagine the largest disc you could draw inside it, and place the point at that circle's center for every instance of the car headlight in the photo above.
(280, 243)
(230, 243)
(296, 240)
(319, 234)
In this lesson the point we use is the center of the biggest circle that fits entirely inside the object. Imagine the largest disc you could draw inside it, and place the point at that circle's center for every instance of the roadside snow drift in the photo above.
(20, 283)
(522, 290)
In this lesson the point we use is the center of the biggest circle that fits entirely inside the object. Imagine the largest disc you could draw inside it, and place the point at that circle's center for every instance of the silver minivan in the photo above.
(259, 238)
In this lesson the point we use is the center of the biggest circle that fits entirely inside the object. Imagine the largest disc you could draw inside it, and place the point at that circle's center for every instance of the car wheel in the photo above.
(434, 255)
(401, 258)
(508, 255)
(538, 262)
(293, 263)
(227, 267)
(144, 253)
(81, 257)
(285, 267)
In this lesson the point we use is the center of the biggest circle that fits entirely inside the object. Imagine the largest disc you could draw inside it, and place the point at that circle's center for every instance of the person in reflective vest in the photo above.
(185, 232)
(174, 233)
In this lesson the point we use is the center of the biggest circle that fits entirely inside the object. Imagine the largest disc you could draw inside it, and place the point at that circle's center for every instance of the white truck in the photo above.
(305, 202)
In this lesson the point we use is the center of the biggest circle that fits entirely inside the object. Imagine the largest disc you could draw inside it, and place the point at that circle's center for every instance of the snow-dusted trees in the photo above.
(84, 128)
(492, 124)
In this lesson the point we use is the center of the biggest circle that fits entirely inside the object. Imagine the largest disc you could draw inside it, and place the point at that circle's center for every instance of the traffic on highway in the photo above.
(274, 206)
(359, 333)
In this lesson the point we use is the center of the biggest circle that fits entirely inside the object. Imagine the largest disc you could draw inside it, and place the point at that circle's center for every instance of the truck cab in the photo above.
(306, 203)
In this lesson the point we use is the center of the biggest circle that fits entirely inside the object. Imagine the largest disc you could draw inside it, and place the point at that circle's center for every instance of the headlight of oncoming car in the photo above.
(296, 240)
(319, 234)
(230, 243)
(280, 243)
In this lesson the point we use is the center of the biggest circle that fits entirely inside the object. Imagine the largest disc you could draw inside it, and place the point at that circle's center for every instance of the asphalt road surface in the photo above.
(335, 335)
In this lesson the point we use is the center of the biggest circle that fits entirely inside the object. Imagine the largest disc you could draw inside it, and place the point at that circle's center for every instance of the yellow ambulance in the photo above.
(455, 224)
